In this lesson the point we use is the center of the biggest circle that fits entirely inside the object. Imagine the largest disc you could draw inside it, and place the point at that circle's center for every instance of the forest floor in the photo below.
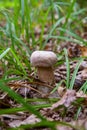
(26, 103)
(70, 105)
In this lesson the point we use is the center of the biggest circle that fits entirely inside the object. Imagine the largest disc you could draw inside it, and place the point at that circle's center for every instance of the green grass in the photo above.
(18, 20)
(70, 82)
(74, 74)
(84, 87)
(67, 68)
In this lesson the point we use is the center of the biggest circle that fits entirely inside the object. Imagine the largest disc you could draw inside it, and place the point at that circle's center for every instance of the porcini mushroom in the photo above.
(44, 62)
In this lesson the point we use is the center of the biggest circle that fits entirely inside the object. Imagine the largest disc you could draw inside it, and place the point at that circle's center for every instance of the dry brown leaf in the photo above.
(32, 119)
(61, 90)
(83, 65)
(77, 50)
(69, 97)
(83, 50)
(66, 100)
(15, 123)
(60, 127)
(49, 46)
(80, 94)
(74, 51)
(79, 125)
(84, 74)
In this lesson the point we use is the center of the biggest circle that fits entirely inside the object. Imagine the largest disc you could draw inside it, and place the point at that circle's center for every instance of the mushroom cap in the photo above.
(43, 58)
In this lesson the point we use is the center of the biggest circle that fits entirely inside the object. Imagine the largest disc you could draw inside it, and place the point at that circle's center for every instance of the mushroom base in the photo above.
(45, 74)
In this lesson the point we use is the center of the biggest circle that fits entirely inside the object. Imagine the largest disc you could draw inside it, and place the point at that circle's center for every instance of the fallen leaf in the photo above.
(78, 125)
(32, 119)
(66, 100)
(84, 74)
(80, 94)
(74, 51)
(15, 123)
(61, 90)
(60, 127)
(83, 50)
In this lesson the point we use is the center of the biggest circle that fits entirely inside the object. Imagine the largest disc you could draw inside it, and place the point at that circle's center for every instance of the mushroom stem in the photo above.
(46, 74)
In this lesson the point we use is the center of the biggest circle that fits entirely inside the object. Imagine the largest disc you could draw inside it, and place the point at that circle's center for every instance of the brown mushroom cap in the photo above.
(43, 58)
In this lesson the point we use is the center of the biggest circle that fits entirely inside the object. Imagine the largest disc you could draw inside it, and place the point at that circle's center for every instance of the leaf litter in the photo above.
(56, 112)
(69, 101)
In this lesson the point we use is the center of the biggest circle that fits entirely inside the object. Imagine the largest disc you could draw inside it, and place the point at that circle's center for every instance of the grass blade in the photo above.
(22, 11)
(67, 68)
(74, 74)
(4, 53)
(19, 63)
(84, 87)
(73, 35)
(14, 110)
(52, 30)
(67, 39)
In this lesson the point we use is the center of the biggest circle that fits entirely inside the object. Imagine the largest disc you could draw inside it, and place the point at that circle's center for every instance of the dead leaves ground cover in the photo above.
(70, 106)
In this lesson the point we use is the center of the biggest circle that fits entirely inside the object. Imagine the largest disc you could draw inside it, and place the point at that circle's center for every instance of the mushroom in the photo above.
(44, 62)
